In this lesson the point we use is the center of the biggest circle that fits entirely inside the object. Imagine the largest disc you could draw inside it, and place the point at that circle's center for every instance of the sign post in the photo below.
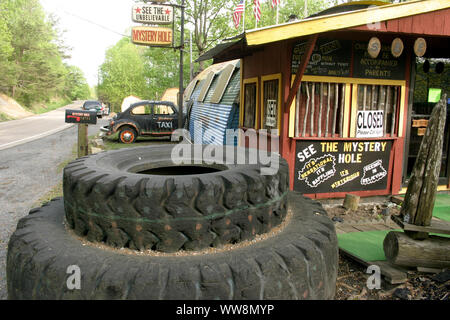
(82, 118)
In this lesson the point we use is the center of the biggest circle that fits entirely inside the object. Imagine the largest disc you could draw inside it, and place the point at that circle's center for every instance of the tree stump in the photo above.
(417, 208)
(351, 202)
(401, 250)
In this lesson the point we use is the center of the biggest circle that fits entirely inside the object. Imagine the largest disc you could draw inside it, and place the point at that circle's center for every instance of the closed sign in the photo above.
(369, 124)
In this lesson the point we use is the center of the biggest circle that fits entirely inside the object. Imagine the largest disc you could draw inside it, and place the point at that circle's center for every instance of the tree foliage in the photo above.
(31, 54)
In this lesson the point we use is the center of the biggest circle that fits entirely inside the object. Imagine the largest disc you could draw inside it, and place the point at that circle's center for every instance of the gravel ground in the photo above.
(27, 172)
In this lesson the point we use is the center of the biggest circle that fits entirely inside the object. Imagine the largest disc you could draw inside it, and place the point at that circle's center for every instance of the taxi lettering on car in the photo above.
(144, 118)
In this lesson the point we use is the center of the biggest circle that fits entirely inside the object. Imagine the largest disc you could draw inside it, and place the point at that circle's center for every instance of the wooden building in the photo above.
(340, 89)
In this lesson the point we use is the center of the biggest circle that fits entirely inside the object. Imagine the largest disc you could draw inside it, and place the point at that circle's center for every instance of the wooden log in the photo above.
(417, 208)
(401, 250)
(306, 109)
(319, 125)
(341, 117)
(336, 103)
(297, 111)
(351, 201)
(328, 109)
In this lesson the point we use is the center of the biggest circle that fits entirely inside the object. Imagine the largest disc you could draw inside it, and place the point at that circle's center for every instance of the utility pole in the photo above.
(181, 88)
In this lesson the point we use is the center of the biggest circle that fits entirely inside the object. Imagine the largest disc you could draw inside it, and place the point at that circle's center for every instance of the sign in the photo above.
(369, 124)
(341, 166)
(330, 57)
(374, 47)
(385, 66)
(420, 47)
(271, 113)
(152, 36)
(397, 47)
(152, 13)
(434, 95)
(81, 116)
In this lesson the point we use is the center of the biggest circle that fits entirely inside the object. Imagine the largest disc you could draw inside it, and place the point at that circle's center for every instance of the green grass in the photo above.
(50, 106)
(4, 117)
(112, 142)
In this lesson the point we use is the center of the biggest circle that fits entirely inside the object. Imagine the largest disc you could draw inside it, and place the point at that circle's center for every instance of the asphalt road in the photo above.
(29, 168)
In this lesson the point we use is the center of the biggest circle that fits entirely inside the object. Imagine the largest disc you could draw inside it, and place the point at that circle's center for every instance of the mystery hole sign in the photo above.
(341, 166)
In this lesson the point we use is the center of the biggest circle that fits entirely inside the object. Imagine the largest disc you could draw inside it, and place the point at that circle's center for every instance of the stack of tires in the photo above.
(136, 226)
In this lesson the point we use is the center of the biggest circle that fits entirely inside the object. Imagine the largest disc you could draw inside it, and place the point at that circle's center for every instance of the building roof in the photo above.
(343, 20)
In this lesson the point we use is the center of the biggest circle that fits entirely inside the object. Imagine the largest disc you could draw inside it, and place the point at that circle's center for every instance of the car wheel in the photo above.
(127, 135)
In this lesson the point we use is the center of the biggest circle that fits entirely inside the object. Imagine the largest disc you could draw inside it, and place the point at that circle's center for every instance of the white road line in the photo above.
(37, 136)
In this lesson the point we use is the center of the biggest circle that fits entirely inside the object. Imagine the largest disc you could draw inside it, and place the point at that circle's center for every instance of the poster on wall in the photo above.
(271, 113)
(341, 166)
(384, 66)
(369, 124)
(330, 57)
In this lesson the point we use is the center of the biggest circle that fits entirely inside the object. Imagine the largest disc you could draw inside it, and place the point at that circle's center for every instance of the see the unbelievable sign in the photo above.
(341, 166)
(152, 36)
(152, 13)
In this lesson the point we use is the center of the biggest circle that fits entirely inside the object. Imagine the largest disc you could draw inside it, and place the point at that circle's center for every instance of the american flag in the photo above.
(257, 10)
(275, 3)
(238, 13)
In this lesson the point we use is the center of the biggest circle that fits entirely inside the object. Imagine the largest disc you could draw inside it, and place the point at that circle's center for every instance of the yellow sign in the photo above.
(152, 36)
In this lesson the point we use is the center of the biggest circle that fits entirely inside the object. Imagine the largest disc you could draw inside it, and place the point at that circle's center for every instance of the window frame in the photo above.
(242, 102)
(266, 78)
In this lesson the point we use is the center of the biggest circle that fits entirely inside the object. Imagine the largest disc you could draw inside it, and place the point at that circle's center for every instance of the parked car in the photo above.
(144, 118)
(94, 105)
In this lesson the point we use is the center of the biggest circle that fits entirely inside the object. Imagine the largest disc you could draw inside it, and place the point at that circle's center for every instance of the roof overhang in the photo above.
(342, 21)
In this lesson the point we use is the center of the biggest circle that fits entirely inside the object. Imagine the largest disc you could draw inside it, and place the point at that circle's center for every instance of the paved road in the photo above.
(28, 169)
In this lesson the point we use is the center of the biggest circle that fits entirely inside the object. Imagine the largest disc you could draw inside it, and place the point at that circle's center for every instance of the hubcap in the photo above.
(127, 136)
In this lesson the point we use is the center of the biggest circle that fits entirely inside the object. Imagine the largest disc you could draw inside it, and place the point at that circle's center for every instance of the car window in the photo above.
(142, 110)
(163, 109)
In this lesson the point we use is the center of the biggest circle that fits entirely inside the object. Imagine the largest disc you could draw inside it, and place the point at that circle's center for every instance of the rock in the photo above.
(442, 277)
(337, 219)
(95, 150)
(402, 293)
(385, 211)
(98, 143)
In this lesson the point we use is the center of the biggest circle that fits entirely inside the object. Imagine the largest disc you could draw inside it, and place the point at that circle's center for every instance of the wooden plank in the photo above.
(392, 274)
(306, 109)
(347, 228)
(436, 226)
(364, 227)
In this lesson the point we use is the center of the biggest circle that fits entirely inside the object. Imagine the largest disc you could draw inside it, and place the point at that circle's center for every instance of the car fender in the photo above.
(119, 124)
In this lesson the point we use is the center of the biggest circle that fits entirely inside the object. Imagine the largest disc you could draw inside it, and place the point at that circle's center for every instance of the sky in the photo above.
(89, 41)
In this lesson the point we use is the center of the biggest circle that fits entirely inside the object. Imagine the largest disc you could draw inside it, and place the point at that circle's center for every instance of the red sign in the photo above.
(152, 36)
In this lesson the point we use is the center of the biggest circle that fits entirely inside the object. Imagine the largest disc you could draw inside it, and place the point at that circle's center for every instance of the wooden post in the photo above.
(401, 250)
(351, 201)
(417, 208)
(83, 140)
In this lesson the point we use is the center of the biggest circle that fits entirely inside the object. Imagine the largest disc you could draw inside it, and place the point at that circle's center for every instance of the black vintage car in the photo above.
(144, 118)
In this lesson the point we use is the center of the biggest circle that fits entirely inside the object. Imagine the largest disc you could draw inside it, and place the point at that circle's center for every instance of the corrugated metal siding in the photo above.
(215, 118)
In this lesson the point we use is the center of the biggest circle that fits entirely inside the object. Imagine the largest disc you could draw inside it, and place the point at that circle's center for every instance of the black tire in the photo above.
(299, 262)
(106, 201)
(127, 135)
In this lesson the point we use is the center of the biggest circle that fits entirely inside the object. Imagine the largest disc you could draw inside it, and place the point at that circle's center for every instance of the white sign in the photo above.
(271, 113)
(152, 13)
(369, 124)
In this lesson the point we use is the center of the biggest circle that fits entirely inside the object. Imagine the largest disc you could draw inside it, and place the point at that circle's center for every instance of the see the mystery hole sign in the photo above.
(341, 166)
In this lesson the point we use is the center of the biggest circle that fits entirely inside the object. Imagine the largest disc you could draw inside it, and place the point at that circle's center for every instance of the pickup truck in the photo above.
(144, 118)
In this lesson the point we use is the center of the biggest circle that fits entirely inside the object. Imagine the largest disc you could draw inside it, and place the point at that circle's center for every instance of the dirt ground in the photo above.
(352, 276)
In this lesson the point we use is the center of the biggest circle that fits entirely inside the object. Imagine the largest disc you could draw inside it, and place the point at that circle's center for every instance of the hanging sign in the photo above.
(271, 113)
(341, 166)
(374, 47)
(369, 124)
(420, 47)
(152, 13)
(152, 36)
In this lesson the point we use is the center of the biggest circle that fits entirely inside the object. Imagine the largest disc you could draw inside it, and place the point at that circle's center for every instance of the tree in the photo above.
(123, 74)
(76, 86)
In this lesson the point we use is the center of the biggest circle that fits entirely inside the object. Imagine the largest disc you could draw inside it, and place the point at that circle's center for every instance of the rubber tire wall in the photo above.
(106, 201)
(300, 262)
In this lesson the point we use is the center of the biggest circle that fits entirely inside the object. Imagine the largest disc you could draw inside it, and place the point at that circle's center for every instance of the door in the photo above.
(430, 85)
(165, 119)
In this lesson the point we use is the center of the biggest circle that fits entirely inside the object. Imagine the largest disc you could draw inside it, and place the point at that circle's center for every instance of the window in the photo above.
(163, 109)
(190, 89)
(205, 86)
(224, 79)
(377, 106)
(249, 103)
(271, 103)
(142, 110)
(319, 109)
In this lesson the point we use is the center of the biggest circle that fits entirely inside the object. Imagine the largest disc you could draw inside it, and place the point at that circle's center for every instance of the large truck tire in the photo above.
(298, 262)
(136, 198)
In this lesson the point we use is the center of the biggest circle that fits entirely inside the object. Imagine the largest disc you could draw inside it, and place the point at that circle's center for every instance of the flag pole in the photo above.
(277, 12)
(243, 19)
